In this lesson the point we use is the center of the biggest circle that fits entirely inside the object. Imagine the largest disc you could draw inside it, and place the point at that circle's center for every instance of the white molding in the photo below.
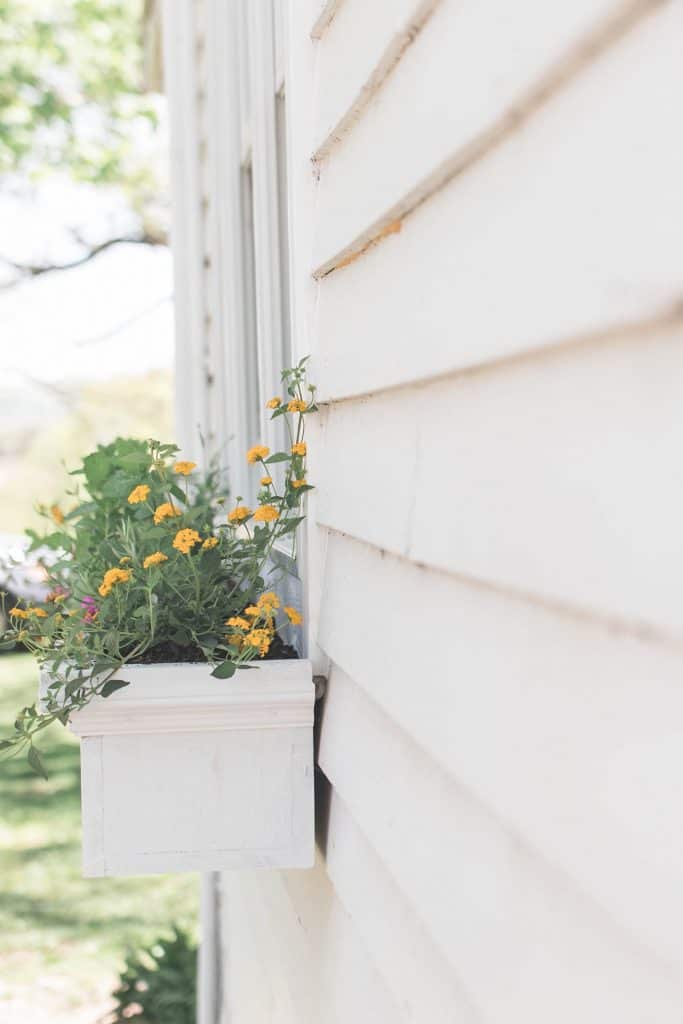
(182, 85)
(269, 304)
(185, 772)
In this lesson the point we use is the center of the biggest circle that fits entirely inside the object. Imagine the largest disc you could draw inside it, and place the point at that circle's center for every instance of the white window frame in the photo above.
(245, 64)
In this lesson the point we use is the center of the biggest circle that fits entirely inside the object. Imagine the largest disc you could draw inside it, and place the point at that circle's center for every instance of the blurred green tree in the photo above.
(73, 99)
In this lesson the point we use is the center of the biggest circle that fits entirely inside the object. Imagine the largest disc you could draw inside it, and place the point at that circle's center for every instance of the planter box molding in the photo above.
(184, 772)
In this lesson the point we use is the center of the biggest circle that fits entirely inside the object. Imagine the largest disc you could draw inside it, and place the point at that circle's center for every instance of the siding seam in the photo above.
(568, 66)
(550, 875)
(392, 54)
(326, 16)
(665, 319)
(645, 632)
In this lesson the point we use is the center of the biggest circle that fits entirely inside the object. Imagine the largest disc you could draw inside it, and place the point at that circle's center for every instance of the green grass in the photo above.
(55, 925)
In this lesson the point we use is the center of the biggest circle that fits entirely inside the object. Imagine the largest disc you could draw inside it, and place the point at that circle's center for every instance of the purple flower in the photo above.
(90, 606)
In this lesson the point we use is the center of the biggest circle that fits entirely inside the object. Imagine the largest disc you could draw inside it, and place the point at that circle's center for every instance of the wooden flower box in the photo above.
(181, 771)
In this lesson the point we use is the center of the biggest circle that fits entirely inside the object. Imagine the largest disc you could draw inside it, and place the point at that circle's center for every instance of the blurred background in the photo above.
(86, 307)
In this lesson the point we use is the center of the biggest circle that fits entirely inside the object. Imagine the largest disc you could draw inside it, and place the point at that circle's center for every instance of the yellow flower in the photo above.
(235, 639)
(268, 600)
(154, 559)
(266, 481)
(209, 543)
(266, 514)
(259, 638)
(252, 610)
(298, 483)
(299, 448)
(297, 405)
(238, 621)
(39, 613)
(111, 578)
(57, 514)
(258, 452)
(165, 511)
(293, 615)
(185, 540)
(18, 613)
(138, 494)
(238, 514)
(125, 560)
(184, 468)
(273, 403)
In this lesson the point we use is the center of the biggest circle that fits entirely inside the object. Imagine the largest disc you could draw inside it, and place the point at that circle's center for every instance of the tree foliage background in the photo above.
(73, 101)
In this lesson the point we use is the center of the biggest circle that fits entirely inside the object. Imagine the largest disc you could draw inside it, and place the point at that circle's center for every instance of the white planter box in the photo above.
(184, 772)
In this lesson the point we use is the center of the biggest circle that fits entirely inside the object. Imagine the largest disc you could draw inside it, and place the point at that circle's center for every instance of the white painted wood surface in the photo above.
(556, 477)
(487, 270)
(160, 756)
(534, 245)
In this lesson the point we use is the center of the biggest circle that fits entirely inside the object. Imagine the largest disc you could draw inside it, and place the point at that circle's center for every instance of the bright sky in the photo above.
(110, 317)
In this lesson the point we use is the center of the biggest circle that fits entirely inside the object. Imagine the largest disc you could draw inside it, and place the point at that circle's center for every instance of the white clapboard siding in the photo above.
(303, 944)
(379, 34)
(474, 74)
(557, 476)
(562, 731)
(535, 244)
(515, 932)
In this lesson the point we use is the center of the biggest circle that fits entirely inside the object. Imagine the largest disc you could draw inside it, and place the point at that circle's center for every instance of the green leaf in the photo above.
(290, 525)
(96, 468)
(36, 762)
(225, 670)
(112, 686)
(135, 460)
(278, 457)
(5, 744)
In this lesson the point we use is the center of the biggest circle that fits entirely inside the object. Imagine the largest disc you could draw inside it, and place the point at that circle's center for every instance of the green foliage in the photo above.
(159, 984)
(71, 90)
(63, 937)
(147, 566)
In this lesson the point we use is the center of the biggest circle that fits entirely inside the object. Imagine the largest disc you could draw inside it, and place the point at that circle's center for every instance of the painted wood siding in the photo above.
(488, 265)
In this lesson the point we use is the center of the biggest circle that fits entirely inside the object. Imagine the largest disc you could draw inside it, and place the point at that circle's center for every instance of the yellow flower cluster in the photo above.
(298, 483)
(266, 514)
(257, 453)
(297, 405)
(266, 481)
(239, 514)
(156, 558)
(111, 578)
(27, 613)
(299, 448)
(184, 468)
(165, 511)
(209, 543)
(57, 514)
(125, 560)
(139, 494)
(185, 540)
(237, 621)
(273, 403)
(255, 627)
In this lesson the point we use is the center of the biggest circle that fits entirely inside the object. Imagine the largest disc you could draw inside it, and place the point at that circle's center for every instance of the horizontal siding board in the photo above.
(557, 476)
(515, 935)
(474, 74)
(376, 34)
(291, 948)
(401, 944)
(566, 731)
(534, 245)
